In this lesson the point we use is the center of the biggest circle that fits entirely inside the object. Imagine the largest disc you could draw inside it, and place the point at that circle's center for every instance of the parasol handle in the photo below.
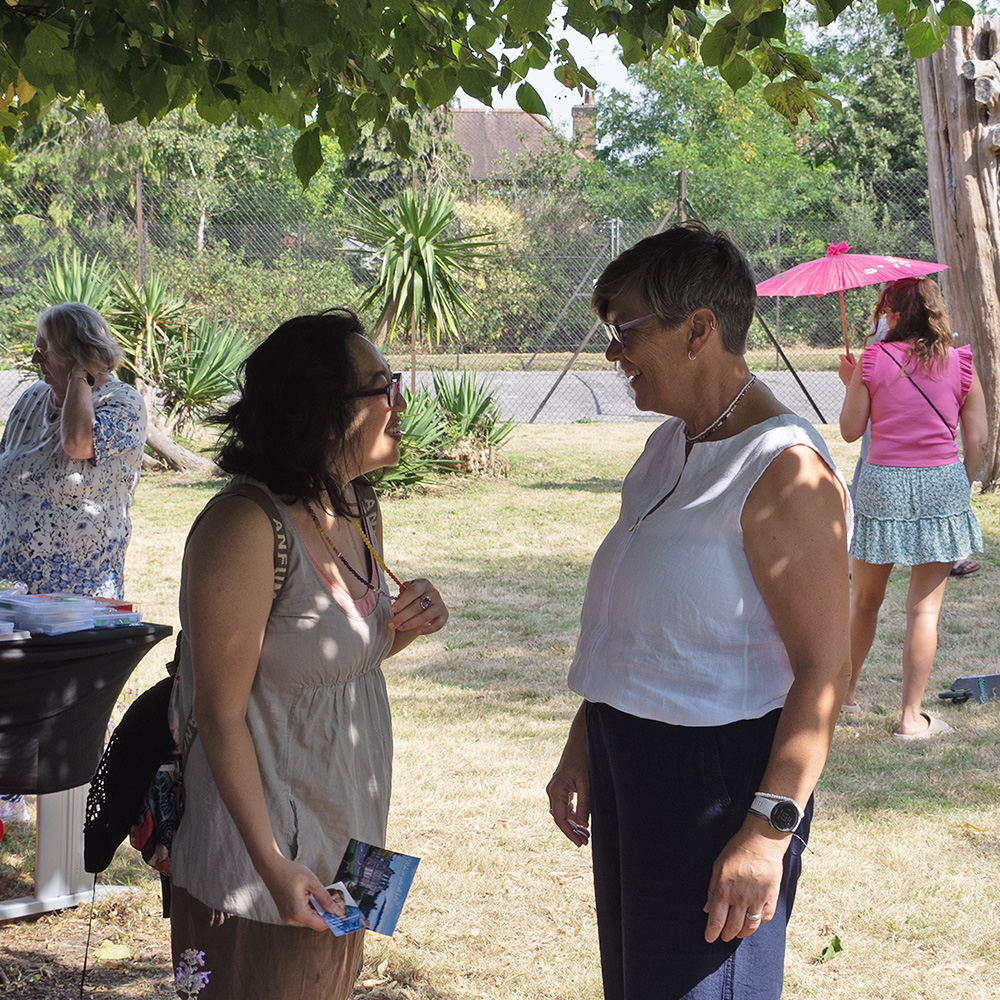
(843, 316)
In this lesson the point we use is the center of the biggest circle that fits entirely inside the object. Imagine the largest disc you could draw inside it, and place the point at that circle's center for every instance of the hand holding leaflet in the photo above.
(371, 886)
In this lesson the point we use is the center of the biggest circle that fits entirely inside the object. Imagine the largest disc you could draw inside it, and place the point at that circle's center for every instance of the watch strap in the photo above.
(763, 805)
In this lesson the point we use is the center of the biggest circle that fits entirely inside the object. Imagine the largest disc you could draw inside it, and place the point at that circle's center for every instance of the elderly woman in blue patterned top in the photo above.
(69, 463)
(714, 648)
(70, 460)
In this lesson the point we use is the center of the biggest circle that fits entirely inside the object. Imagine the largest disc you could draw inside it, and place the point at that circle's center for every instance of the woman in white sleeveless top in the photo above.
(713, 653)
(287, 614)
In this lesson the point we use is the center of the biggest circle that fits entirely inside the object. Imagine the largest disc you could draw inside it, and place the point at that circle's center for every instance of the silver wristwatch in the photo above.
(782, 813)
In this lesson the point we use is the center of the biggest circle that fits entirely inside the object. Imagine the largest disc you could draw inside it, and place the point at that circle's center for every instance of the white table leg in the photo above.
(60, 880)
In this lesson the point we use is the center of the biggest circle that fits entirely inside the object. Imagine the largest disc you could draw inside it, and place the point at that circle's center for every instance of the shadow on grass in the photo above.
(209, 486)
(592, 485)
(52, 970)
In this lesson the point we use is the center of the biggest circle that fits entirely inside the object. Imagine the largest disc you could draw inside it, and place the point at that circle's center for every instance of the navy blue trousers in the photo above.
(665, 800)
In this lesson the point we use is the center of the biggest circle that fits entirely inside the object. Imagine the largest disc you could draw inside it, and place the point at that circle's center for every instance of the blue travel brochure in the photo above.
(371, 884)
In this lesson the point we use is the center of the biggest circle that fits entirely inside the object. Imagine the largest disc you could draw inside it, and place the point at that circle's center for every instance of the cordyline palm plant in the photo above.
(150, 319)
(421, 265)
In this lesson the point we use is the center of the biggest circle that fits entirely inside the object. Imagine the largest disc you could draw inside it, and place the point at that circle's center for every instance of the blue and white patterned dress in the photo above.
(64, 522)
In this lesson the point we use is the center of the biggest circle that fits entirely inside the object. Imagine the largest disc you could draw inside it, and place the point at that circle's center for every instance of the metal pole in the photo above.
(140, 242)
(777, 311)
(795, 374)
(298, 266)
(562, 374)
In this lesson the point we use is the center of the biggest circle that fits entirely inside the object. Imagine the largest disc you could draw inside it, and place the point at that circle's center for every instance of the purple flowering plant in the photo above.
(188, 979)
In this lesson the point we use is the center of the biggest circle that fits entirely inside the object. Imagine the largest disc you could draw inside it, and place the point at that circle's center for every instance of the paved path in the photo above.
(602, 396)
(605, 396)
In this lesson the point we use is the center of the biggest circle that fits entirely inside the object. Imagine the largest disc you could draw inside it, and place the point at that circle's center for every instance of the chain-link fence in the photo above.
(259, 256)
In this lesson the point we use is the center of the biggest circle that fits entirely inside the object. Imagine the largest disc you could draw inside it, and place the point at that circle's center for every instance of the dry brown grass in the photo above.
(906, 862)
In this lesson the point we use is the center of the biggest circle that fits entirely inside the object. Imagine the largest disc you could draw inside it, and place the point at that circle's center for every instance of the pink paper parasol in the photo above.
(839, 270)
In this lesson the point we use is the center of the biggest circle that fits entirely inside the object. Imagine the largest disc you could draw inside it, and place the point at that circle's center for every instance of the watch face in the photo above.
(784, 817)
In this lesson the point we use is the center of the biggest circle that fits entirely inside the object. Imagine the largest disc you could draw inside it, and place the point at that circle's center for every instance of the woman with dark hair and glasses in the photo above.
(912, 491)
(288, 612)
(713, 652)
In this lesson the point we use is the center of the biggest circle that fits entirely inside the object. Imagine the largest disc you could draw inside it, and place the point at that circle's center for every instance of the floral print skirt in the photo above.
(914, 516)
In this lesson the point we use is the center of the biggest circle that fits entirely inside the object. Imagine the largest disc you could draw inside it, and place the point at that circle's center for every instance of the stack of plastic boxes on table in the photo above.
(54, 614)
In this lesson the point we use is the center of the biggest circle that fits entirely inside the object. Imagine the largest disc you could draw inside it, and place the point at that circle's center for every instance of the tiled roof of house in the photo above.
(494, 137)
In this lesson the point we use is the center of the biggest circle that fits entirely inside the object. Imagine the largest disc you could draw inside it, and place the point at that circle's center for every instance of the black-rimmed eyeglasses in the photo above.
(614, 330)
(390, 391)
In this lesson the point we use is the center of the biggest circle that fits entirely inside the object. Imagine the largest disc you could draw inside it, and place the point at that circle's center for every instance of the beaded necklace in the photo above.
(350, 569)
(368, 545)
(716, 424)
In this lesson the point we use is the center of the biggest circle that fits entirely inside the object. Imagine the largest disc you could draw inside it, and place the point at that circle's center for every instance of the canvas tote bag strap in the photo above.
(263, 500)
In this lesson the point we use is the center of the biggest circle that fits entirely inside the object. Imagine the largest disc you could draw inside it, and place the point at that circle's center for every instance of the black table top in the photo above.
(56, 697)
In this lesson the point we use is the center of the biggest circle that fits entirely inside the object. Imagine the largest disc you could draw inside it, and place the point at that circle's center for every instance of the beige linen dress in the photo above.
(319, 718)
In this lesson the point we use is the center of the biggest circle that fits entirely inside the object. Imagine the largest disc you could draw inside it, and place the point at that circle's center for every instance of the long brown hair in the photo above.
(922, 318)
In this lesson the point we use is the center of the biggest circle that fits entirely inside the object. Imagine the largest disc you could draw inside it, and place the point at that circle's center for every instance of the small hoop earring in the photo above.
(692, 357)
(713, 324)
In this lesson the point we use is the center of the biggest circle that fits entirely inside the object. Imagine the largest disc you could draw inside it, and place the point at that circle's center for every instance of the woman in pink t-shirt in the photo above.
(912, 498)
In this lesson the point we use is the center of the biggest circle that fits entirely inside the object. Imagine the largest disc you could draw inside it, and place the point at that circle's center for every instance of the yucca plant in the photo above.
(425, 438)
(470, 409)
(75, 277)
(417, 286)
(203, 373)
(151, 324)
(70, 277)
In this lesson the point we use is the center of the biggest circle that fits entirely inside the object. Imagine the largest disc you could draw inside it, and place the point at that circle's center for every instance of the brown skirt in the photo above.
(250, 960)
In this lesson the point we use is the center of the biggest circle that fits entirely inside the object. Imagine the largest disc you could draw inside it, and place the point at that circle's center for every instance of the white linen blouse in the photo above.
(673, 627)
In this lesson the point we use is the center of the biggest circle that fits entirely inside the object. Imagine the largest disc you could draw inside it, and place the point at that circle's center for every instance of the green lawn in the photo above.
(905, 864)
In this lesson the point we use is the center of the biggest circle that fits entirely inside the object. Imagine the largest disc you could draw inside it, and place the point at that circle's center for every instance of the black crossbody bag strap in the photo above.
(953, 431)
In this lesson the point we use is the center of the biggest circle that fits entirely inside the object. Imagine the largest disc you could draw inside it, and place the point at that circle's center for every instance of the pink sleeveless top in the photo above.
(905, 429)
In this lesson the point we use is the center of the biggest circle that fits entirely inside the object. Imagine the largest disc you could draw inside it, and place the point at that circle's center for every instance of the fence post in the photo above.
(140, 241)
(298, 266)
(777, 301)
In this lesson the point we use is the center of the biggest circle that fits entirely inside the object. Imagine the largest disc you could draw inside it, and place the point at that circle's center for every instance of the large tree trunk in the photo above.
(960, 101)
(174, 455)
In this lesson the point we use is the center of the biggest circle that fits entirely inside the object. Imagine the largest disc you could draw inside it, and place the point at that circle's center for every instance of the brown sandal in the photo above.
(965, 567)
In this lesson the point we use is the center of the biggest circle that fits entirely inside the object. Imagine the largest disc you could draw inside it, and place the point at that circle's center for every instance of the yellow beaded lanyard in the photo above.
(368, 545)
(340, 555)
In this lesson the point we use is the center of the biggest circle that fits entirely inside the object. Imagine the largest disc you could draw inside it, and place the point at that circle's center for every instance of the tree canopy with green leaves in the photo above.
(342, 66)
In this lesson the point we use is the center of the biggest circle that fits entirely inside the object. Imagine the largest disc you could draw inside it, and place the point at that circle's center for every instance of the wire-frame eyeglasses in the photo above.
(614, 330)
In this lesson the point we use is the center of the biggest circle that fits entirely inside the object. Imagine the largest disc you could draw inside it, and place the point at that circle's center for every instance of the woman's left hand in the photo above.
(746, 878)
(846, 368)
(419, 609)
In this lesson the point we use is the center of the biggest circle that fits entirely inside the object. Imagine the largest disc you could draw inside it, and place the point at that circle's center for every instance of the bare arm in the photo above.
(229, 569)
(76, 423)
(856, 411)
(974, 427)
(795, 541)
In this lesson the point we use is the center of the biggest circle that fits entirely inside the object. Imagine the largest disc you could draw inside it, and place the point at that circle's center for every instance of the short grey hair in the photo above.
(684, 268)
(74, 330)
